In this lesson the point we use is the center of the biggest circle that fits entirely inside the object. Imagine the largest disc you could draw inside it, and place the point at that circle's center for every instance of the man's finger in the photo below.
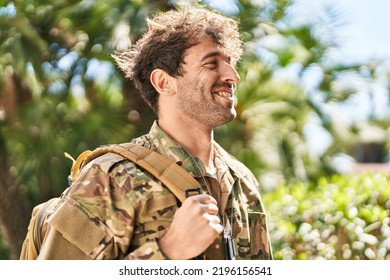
(212, 209)
(213, 219)
(217, 227)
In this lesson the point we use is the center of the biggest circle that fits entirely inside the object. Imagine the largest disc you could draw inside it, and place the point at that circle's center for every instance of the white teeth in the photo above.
(224, 94)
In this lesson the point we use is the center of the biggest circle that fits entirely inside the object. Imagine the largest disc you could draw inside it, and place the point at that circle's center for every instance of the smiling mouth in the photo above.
(225, 94)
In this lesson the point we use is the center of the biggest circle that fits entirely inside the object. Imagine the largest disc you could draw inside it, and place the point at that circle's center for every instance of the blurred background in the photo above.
(313, 112)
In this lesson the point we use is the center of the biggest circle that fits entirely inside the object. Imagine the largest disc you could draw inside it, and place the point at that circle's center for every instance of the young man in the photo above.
(184, 69)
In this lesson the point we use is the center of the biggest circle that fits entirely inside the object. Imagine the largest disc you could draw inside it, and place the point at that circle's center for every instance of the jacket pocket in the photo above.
(260, 244)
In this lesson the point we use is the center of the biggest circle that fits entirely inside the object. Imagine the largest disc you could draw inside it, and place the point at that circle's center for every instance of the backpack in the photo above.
(175, 178)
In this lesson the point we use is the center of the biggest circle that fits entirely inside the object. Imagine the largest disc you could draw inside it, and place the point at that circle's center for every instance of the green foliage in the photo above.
(56, 61)
(341, 217)
(45, 131)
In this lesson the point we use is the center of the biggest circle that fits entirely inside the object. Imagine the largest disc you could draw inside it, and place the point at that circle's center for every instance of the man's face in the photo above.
(205, 92)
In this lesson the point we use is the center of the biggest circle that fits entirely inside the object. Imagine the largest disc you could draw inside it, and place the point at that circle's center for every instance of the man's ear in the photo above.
(162, 82)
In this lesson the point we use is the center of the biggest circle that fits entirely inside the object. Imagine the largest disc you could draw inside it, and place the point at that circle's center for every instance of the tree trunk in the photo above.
(14, 208)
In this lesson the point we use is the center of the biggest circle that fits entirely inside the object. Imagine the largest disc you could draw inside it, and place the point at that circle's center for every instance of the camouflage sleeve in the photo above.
(105, 193)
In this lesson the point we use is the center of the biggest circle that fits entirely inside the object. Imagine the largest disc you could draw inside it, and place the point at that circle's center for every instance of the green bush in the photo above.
(342, 217)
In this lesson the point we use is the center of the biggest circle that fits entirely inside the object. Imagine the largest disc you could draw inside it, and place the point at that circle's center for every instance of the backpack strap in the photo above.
(174, 177)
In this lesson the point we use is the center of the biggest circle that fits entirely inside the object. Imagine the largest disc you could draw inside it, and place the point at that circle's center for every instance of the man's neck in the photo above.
(197, 140)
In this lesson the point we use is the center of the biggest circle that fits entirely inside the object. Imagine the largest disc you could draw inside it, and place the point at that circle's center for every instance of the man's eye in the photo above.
(212, 63)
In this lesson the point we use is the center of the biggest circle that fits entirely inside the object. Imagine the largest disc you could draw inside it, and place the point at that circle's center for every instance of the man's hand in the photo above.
(194, 227)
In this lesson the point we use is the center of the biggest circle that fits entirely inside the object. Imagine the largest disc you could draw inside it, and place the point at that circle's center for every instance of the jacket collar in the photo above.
(165, 145)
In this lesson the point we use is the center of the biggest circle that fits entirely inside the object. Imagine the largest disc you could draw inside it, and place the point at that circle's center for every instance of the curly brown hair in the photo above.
(169, 35)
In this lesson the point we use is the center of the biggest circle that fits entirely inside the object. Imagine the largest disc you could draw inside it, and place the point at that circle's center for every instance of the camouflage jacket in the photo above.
(115, 210)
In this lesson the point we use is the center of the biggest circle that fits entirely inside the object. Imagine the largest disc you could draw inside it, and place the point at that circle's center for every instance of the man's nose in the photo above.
(230, 74)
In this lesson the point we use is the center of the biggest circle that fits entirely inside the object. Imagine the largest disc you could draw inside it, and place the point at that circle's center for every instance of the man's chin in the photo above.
(226, 120)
